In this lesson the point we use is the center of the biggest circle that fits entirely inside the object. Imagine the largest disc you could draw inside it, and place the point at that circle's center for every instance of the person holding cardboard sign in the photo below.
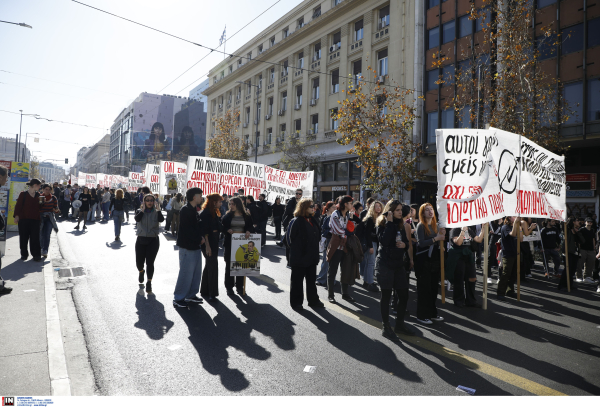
(237, 220)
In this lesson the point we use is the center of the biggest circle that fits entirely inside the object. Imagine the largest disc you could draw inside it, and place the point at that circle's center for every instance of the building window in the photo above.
(284, 72)
(448, 31)
(382, 62)
(328, 172)
(230, 97)
(482, 23)
(260, 49)
(336, 2)
(249, 55)
(286, 32)
(282, 132)
(358, 30)
(230, 68)
(572, 39)
(314, 123)
(593, 34)
(271, 41)
(357, 71)
(300, 23)
(317, 54)
(573, 94)
(301, 60)
(284, 101)
(298, 125)
(315, 88)
(337, 41)
(341, 171)
(448, 118)
(465, 26)
(270, 106)
(544, 3)
(299, 95)
(247, 115)
(272, 75)
(432, 125)
(334, 121)
(384, 17)
(239, 92)
(432, 3)
(258, 106)
(448, 75)
(593, 99)
(259, 81)
(432, 78)
(316, 12)
(464, 118)
(335, 81)
(249, 87)
(433, 37)
(269, 135)
(546, 46)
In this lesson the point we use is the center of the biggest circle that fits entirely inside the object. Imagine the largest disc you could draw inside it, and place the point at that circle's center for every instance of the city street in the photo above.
(548, 344)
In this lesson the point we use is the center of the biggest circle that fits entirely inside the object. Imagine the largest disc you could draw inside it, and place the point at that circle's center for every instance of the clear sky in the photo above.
(103, 63)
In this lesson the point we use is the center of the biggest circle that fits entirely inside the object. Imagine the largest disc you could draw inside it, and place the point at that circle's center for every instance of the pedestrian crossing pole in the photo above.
(486, 251)
(442, 276)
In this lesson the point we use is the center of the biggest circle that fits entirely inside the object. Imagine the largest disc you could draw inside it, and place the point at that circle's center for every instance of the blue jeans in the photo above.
(190, 274)
(369, 270)
(105, 206)
(322, 277)
(117, 220)
(45, 232)
(555, 256)
(90, 215)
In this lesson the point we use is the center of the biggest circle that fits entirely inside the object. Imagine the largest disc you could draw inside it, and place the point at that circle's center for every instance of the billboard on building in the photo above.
(152, 131)
(190, 131)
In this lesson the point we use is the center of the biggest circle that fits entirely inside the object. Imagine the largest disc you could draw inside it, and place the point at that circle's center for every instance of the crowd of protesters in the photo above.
(380, 243)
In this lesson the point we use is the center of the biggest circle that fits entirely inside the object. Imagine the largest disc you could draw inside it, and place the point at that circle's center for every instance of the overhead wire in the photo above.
(57, 121)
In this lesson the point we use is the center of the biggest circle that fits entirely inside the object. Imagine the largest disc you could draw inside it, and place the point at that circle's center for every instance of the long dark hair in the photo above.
(189, 142)
(179, 197)
(239, 205)
(391, 207)
(210, 204)
(153, 134)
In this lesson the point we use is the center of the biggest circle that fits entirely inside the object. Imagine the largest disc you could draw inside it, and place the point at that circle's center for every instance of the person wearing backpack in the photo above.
(27, 217)
(303, 238)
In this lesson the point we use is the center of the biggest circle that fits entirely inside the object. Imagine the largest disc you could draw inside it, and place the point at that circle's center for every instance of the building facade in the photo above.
(576, 62)
(79, 164)
(196, 93)
(7, 150)
(91, 158)
(319, 48)
(51, 173)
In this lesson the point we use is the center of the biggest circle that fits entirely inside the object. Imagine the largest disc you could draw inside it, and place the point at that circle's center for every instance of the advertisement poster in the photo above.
(19, 175)
(487, 174)
(283, 184)
(152, 134)
(153, 178)
(214, 175)
(172, 177)
(135, 181)
(4, 192)
(245, 254)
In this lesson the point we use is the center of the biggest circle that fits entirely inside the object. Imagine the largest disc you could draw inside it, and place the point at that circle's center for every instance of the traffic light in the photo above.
(66, 160)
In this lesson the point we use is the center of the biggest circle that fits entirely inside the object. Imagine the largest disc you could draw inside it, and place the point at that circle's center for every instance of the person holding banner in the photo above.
(303, 236)
(211, 222)
(147, 243)
(527, 226)
(573, 240)
(394, 241)
(427, 264)
(235, 221)
(461, 264)
(508, 241)
(551, 243)
(495, 228)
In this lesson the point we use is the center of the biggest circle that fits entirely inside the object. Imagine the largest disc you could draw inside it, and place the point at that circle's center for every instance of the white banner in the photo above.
(283, 184)
(478, 177)
(214, 175)
(135, 181)
(103, 180)
(152, 178)
(90, 180)
(172, 177)
(81, 178)
(245, 255)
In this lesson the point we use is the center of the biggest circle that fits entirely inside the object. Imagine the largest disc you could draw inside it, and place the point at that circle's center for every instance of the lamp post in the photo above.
(257, 120)
(25, 147)
(19, 135)
(21, 24)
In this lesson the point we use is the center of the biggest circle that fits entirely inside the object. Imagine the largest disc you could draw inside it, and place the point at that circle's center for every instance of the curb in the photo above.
(57, 362)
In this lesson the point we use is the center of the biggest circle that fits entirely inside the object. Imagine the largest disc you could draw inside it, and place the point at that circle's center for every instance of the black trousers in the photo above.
(508, 276)
(277, 222)
(573, 259)
(334, 265)
(146, 249)
(427, 271)
(64, 208)
(29, 232)
(299, 274)
(230, 281)
(210, 275)
(492, 255)
(464, 290)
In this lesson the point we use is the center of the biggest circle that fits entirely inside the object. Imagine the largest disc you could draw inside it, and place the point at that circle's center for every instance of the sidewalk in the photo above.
(24, 363)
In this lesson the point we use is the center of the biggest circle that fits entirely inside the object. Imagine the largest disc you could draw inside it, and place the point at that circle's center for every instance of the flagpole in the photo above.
(224, 40)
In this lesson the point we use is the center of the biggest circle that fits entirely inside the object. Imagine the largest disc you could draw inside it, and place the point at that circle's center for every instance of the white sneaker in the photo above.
(598, 290)
(578, 280)
(437, 319)
(589, 280)
(425, 321)
(490, 281)
(448, 285)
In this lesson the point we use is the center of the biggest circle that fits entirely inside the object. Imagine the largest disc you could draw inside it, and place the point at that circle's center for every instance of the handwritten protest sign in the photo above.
(103, 180)
(283, 184)
(153, 178)
(172, 177)
(486, 174)
(135, 181)
(245, 255)
(81, 178)
(90, 180)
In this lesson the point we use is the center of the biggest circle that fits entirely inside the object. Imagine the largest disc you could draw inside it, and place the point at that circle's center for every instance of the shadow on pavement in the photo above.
(19, 269)
(115, 245)
(151, 315)
(212, 337)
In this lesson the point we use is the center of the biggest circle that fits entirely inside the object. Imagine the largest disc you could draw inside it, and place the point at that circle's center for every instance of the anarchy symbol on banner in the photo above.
(508, 173)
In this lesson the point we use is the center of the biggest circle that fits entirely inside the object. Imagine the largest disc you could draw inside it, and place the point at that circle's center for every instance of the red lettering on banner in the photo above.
(496, 203)
(531, 203)
(154, 178)
(472, 210)
(169, 167)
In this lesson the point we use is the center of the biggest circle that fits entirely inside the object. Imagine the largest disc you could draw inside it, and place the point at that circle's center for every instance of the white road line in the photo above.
(57, 362)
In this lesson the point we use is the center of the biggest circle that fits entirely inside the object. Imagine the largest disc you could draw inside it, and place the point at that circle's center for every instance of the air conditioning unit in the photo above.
(309, 132)
(256, 121)
(297, 107)
(381, 79)
(280, 113)
(313, 102)
(220, 105)
(332, 48)
(267, 117)
(245, 125)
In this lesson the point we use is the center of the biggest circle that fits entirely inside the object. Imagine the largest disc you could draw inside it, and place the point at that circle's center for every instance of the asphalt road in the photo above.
(549, 343)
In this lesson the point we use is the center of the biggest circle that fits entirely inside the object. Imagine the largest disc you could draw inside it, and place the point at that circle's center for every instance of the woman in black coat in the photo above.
(235, 221)
(211, 219)
(394, 242)
(304, 235)
(278, 210)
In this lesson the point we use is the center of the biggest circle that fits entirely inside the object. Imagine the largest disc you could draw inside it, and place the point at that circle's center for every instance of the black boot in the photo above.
(331, 296)
(402, 328)
(387, 332)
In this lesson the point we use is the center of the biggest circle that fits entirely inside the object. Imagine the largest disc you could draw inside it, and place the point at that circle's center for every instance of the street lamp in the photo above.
(21, 24)
(25, 147)
(19, 135)
(257, 119)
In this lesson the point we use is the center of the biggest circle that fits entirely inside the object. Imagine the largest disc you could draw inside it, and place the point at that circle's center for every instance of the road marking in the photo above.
(468, 361)
(174, 347)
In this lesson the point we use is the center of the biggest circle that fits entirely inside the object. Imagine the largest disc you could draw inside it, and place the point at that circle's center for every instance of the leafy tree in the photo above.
(376, 121)
(225, 144)
(502, 80)
(299, 155)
